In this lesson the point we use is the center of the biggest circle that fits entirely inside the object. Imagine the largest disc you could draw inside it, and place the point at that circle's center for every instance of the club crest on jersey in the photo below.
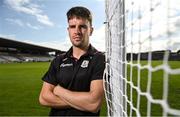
(85, 64)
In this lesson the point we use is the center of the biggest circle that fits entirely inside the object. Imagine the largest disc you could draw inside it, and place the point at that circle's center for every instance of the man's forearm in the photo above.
(52, 100)
(47, 98)
(76, 100)
(84, 101)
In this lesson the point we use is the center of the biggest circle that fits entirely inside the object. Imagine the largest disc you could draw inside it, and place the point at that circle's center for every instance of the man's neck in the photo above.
(78, 52)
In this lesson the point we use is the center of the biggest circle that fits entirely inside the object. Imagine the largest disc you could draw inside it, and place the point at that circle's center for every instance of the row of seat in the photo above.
(24, 58)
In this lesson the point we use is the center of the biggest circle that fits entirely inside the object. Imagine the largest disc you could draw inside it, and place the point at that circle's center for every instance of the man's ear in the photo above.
(91, 31)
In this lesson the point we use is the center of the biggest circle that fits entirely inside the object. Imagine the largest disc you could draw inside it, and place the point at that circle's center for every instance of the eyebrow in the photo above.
(82, 26)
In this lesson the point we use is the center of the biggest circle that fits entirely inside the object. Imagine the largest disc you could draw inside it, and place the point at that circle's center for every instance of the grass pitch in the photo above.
(20, 85)
(155, 88)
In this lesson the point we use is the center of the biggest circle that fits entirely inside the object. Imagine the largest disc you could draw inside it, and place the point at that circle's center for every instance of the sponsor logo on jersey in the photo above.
(66, 65)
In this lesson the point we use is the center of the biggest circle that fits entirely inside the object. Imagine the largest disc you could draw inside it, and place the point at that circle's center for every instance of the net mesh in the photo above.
(142, 74)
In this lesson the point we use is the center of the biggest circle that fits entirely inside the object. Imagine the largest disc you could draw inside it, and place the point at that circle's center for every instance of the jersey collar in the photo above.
(91, 51)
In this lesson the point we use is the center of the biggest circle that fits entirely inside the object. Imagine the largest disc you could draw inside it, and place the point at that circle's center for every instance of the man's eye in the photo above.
(84, 26)
(72, 26)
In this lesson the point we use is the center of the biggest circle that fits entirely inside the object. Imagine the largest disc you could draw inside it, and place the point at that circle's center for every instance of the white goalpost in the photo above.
(142, 72)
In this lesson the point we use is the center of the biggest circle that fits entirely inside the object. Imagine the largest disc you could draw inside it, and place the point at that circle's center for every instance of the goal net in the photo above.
(142, 75)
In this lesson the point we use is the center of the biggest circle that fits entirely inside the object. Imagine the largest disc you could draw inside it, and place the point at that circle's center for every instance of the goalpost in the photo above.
(142, 72)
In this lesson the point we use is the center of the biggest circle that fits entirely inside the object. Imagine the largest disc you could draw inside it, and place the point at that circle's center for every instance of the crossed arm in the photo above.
(59, 97)
(48, 98)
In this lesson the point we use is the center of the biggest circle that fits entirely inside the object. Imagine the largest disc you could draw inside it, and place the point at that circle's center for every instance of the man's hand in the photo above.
(57, 90)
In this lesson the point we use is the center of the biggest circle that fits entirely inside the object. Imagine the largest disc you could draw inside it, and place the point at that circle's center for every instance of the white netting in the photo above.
(142, 75)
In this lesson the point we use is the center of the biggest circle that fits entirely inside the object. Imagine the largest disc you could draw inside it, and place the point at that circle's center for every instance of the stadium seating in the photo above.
(6, 57)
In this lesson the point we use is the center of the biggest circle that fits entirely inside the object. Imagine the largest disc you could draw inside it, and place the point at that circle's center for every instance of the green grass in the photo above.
(156, 87)
(20, 84)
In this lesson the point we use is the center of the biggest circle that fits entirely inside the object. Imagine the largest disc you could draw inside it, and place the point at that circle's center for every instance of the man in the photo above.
(73, 84)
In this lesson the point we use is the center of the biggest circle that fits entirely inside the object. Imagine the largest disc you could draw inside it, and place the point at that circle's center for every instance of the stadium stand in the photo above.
(2, 60)
(156, 55)
(16, 51)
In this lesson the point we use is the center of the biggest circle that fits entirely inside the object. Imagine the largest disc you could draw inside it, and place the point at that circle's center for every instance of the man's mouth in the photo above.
(77, 38)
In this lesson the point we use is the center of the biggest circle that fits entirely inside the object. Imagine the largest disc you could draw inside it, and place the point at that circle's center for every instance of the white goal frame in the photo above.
(127, 38)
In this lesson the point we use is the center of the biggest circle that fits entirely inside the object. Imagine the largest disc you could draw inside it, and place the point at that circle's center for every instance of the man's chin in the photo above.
(78, 45)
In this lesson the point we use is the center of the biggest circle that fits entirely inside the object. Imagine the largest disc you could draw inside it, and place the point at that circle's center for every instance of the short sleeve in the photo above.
(99, 66)
(50, 75)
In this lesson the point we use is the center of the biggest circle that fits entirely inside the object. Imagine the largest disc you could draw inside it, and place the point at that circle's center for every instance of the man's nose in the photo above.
(78, 30)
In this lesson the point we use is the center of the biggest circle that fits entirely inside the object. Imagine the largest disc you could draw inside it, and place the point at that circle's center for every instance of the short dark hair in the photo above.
(79, 11)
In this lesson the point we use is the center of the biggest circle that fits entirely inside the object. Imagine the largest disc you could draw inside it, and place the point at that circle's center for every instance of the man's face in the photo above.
(79, 31)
